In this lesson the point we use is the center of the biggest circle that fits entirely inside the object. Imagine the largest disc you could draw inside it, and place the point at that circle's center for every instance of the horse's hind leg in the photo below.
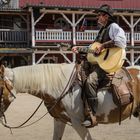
(59, 128)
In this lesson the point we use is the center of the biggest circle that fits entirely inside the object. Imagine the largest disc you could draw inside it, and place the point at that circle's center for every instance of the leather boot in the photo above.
(93, 104)
(91, 121)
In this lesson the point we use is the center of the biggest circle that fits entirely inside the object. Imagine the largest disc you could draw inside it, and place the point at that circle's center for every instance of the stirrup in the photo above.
(87, 123)
(90, 122)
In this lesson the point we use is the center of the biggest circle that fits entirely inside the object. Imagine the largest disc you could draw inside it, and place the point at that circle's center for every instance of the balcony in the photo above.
(12, 38)
(81, 37)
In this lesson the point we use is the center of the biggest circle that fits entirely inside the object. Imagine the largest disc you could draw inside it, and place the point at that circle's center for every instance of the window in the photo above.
(61, 23)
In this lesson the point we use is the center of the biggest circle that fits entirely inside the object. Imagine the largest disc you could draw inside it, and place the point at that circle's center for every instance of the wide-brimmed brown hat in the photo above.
(105, 9)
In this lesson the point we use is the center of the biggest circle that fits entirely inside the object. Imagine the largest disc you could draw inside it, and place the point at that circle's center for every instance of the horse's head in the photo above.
(6, 87)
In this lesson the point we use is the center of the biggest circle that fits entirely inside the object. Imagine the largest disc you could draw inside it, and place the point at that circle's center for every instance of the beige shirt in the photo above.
(117, 34)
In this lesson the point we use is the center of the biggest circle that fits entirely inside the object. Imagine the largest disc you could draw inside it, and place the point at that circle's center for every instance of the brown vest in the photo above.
(103, 34)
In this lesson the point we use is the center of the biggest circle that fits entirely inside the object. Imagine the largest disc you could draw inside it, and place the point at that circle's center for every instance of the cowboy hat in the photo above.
(105, 9)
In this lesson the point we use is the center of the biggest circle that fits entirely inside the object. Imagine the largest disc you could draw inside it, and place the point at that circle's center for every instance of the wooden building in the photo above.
(15, 39)
(32, 30)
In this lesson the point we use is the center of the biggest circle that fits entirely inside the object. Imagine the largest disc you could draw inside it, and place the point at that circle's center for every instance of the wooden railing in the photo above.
(127, 36)
(52, 35)
(86, 36)
(8, 36)
(59, 35)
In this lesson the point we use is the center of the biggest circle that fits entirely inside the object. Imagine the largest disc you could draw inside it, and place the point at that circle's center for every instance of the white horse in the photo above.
(52, 83)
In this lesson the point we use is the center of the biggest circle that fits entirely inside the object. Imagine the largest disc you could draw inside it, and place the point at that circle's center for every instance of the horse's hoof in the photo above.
(136, 114)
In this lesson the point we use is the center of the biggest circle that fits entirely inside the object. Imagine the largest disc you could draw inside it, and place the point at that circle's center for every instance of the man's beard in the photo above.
(100, 25)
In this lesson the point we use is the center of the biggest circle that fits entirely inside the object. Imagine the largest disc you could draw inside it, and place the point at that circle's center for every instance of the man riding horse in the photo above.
(111, 35)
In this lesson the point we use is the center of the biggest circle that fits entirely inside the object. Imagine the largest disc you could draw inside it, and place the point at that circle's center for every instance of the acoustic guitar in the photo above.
(110, 59)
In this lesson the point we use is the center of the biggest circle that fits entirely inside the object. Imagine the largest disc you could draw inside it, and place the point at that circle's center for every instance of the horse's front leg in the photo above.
(81, 130)
(59, 128)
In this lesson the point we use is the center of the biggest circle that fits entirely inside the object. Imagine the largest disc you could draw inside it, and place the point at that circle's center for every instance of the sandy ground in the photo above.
(25, 104)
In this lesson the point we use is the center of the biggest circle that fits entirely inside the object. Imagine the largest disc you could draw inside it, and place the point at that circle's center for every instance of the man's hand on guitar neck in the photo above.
(75, 49)
(80, 49)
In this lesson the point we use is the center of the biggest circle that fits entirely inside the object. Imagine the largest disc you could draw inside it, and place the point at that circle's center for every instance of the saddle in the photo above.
(121, 88)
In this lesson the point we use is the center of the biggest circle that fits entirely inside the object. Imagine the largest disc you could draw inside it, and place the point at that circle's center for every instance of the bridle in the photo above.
(1, 101)
(4, 85)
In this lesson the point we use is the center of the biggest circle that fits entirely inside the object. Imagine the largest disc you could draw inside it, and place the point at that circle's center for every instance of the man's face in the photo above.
(102, 18)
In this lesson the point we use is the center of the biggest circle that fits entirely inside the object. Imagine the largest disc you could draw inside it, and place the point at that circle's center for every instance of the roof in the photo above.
(116, 4)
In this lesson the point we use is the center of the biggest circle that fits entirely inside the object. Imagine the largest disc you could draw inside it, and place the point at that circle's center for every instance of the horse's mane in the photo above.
(135, 67)
(46, 78)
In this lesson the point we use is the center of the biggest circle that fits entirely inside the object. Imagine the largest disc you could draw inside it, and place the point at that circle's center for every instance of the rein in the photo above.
(2, 104)
(2, 107)
(21, 125)
(10, 91)
(1, 98)
(62, 95)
